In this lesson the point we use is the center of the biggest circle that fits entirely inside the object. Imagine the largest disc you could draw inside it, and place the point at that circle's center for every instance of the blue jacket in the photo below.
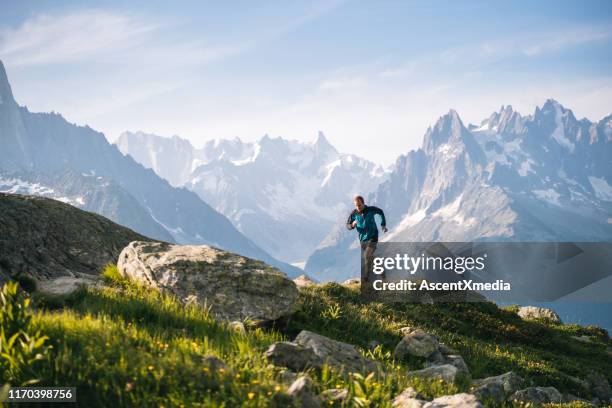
(366, 224)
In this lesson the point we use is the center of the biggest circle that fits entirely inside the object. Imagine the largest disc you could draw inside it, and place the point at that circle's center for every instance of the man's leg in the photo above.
(370, 247)
(364, 265)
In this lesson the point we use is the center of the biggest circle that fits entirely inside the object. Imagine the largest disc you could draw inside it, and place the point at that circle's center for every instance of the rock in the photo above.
(497, 388)
(538, 395)
(539, 313)
(445, 350)
(287, 376)
(583, 339)
(65, 285)
(293, 356)
(409, 398)
(303, 281)
(301, 391)
(234, 287)
(416, 343)
(47, 239)
(335, 353)
(599, 386)
(452, 359)
(462, 400)
(237, 326)
(446, 372)
(352, 281)
(334, 395)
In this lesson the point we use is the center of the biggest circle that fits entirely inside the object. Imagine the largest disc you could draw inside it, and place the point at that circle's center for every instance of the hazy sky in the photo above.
(371, 75)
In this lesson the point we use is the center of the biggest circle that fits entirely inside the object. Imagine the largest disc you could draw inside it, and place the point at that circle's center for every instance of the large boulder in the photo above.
(336, 353)
(538, 395)
(539, 313)
(233, 286)
(497, 388)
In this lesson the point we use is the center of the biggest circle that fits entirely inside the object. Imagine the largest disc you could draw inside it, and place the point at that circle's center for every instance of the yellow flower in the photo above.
(150, 368)
(277, 388)
(251, 395)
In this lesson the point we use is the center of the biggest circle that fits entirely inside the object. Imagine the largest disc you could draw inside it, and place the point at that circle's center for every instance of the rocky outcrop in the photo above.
(233, 286)
(303, 281)
(47, 239)
(539, 313)
(313, 350)
(497, 388)
(538, 395)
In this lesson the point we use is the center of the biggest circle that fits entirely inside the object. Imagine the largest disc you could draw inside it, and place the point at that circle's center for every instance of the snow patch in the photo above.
(602, 189)
(550, 196)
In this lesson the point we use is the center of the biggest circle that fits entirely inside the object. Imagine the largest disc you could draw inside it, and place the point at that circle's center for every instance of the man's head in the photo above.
(359, 204)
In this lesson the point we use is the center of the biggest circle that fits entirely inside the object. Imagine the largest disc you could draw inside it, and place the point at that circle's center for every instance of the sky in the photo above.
(372, 75)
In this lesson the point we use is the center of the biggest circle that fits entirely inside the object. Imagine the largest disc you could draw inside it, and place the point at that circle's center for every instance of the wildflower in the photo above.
(251, 395)
(150, 368)
(277, 388)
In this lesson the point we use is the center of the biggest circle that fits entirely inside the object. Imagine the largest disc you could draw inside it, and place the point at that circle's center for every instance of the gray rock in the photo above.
(235, 287)
(65, 285)
(416, 343)
(292, 356)
(446, 372)
(462, 400)
(287, 376)
(336, 353)
(302, 393)
(538, 395)
(452, 359)
(334, 395)
(446, 350)
(539, 313)
(409, 398)
(497, 388)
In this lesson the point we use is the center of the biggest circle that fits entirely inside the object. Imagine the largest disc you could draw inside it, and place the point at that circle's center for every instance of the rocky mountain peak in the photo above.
(322, 145)
(6, 94)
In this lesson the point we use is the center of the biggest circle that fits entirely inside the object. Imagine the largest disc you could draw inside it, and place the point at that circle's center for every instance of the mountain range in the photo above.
(43, 153)
(283, 194)
(542, 177)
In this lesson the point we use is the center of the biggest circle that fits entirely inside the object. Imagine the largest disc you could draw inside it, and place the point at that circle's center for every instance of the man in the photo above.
(363, 219)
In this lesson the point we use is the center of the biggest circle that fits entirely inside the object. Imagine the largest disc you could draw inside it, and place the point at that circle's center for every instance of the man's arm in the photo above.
(349, 222)
(383, 222)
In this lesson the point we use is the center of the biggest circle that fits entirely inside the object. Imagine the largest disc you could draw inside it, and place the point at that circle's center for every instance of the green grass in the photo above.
(126, 345)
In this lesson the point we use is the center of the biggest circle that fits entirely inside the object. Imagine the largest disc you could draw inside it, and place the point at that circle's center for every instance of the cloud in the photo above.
(100, 36)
